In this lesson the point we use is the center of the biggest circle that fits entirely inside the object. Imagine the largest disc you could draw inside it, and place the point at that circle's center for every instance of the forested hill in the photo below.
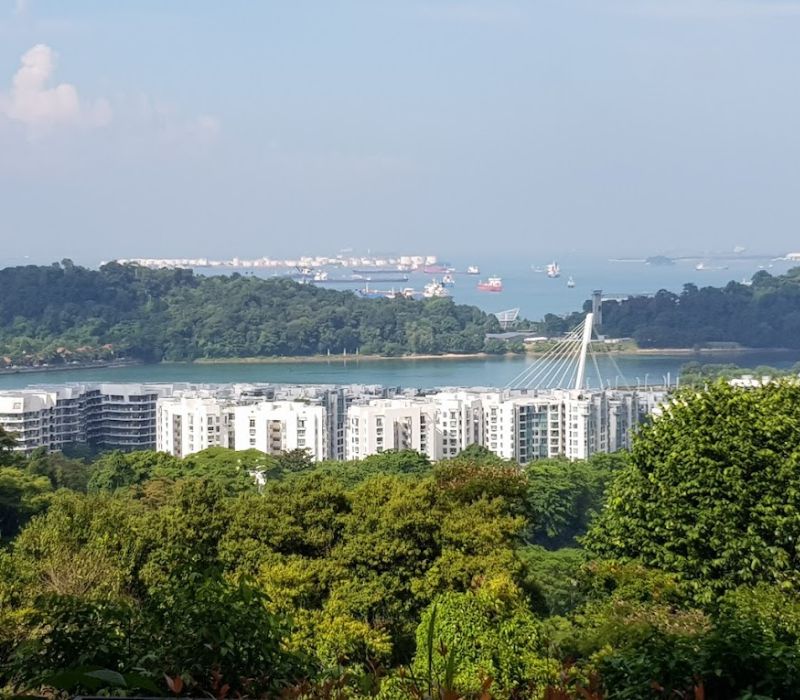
(65, 312)
(764, 314)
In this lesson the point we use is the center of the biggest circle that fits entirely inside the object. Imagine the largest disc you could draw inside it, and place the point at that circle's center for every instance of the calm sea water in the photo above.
(535, 294)
(490, 372)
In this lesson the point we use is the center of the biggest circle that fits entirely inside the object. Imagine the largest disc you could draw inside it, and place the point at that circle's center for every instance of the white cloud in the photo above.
(35, 104)
(40, 107)
(713, 9)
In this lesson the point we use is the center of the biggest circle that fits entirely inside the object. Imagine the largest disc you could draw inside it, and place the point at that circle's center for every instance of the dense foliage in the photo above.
(666, 572)
(702, 374)
(765, 313)
(66, 313)
(713, 493)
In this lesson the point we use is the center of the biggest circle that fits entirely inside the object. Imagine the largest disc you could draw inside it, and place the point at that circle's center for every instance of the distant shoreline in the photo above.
(688, 353)
(110, 364)
(315, 359)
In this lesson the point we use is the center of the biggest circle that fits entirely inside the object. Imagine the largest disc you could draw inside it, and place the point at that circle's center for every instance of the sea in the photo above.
(525, 287)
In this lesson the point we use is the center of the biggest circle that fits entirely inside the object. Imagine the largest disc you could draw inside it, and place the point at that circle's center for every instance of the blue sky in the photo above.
(246, 128)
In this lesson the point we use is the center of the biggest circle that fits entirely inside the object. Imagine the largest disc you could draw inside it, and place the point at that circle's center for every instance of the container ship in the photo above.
(493, 284)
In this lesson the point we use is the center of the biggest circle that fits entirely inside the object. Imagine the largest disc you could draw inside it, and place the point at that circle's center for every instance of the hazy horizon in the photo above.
(607, 127)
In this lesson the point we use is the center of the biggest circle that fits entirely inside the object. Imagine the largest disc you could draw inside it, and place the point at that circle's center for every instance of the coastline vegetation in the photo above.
(670, 571)
(65, 313)
(762, 314)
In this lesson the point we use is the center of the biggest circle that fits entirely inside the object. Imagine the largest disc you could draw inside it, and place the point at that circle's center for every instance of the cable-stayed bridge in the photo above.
(568, 364)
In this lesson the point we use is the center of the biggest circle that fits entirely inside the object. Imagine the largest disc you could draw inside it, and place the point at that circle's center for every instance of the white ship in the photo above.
(570, 283)
(553, 270)
(448, 280)
(473, 270)
(434, 289)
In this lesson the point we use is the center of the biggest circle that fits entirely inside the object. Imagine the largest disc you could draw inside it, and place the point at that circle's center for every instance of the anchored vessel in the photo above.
(553, 270)
(493, 284)
(434, 289)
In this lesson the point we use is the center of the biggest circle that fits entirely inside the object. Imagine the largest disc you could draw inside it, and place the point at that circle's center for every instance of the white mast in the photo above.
(587, 336)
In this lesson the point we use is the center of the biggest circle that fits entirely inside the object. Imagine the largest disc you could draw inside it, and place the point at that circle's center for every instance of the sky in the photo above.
(498, 127)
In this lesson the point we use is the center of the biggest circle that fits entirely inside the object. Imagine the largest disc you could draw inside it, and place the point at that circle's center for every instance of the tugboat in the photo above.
(553, 270)
(493, 284)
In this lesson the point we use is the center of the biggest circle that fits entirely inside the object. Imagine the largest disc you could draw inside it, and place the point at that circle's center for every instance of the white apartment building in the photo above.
(106, 416)
(391, 424)
(46, 419)
(331, 422)
(458, 424)
(281, 426)
(189, 424)
(521, 426)
(558, 423)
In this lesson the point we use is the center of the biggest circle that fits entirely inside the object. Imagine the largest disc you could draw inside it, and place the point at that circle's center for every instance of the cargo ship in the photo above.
(381, 270)
(437, 269)
(493, 284)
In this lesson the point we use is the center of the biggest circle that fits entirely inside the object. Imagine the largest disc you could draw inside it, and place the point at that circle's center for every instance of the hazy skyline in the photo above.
(237, 128)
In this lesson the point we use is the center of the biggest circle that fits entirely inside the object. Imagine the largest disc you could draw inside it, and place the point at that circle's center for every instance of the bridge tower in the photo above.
(597, 307)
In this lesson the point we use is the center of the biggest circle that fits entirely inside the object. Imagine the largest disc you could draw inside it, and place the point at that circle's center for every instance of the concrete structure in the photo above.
(390, 424)
(105, 416)
(281, 426)
(517, 425)
(186, 425)
(332, 422)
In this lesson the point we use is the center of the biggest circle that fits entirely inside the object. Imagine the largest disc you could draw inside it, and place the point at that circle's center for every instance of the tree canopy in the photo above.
(666, 572)
(65, 313)
(711, 490)
(765, 313)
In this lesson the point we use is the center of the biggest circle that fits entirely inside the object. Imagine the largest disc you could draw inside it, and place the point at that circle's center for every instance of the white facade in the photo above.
(458, 422)
(331, 422)
(37, 420)
(520, 426)
(107, 416)
(186, 425)
(281, 426)
(390, 424)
